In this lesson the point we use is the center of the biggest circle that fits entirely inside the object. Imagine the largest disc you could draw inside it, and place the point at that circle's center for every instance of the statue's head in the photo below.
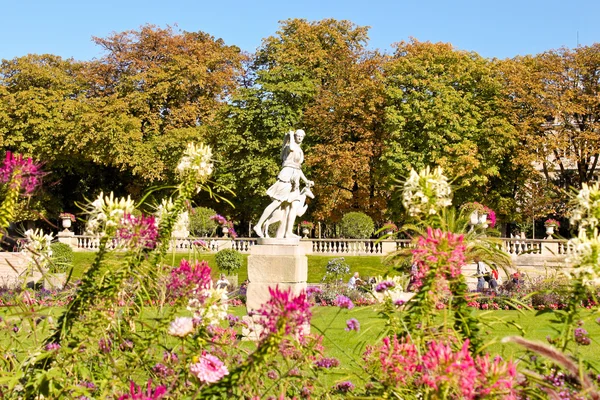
(299, 135)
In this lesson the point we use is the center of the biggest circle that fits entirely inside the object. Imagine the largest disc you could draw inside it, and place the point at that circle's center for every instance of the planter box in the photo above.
(15, 271)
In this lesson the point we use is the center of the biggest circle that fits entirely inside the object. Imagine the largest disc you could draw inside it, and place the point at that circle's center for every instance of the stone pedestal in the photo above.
(67, 237)
(275, 262)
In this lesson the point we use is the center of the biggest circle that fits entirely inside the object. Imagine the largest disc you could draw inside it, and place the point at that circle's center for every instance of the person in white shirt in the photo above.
(353, 281)
(222, 283)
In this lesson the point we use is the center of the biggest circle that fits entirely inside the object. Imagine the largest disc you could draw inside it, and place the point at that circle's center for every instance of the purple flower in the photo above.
(170, 357)
(200, 243)
(162, 370)
(105, 345)
(343, 302)
(352, 325)
(52, 346)
(272, 374)
(344, 387)
(233, 320)
(313, 290)
(581, 337)
(87, 385)
(385, 285)
(219, 219)
(326, 362)
(399, 302)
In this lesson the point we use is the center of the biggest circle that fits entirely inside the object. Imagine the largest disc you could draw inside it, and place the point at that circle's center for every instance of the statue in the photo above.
(285, 193)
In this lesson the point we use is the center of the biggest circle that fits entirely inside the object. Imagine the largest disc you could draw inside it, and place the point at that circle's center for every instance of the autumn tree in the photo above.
(444, 107)
(319, 77)
(562, 96)
(120, 122)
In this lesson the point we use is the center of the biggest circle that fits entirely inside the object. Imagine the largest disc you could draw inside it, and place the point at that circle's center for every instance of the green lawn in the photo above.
(365, 265)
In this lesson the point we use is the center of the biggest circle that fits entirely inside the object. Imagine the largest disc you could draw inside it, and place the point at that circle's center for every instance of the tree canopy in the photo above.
(120, 122)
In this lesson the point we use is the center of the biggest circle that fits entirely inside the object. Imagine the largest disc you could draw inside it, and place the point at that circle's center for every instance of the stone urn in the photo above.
(225, 231)
(305, 232)
(483, 220)
(474, 218)
(550, 230)
(66, 223)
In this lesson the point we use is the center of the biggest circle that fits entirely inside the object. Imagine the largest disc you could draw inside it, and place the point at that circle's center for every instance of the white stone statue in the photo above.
(285, 193)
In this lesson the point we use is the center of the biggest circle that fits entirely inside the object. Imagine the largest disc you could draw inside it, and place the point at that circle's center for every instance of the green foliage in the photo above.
(442, 109)
(357, 225)
(62, 257)
(229, 261)
(200, 223)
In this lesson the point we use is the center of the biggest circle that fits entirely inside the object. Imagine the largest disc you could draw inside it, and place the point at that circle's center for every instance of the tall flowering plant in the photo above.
(400, 368)
(22, 176)
(145, 239)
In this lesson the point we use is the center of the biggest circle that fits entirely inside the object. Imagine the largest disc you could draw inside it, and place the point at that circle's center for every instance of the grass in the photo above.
(364, 265)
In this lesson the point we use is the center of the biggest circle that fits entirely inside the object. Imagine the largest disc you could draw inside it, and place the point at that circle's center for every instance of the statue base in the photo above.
(278, 242)
(279, 263)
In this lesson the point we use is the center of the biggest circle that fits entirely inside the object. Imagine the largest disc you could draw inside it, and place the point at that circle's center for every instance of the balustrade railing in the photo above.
(351, 247)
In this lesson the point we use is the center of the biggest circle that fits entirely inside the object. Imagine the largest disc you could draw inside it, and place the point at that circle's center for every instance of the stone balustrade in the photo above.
(531, 252)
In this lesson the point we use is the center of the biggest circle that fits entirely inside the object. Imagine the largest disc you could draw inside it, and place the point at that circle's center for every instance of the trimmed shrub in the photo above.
(229, 261)
(200, 223)
(357, 225)
(62, 257)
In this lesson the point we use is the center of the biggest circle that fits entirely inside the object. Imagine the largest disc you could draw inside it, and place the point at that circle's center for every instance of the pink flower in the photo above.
(181, 327)
(139, 232)
(491, 217)
(444, 250)
(209, 368)
(136, 393)
(284, 311)
(189, 280)
(22, 172)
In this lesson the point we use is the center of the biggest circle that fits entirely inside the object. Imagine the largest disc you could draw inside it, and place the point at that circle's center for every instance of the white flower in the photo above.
(196, 160)
(38, 247)
(214, 308)
(181, 327)
(107, 212)
(585, 259)
(426, 192)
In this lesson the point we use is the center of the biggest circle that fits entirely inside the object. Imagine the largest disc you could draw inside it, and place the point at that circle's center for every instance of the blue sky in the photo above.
(492, 28)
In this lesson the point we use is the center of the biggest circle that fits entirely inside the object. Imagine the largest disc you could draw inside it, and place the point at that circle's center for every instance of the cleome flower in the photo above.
(196, 162)
(212, 308)
(284, 311)
(38, 247)
(585, 209)
(106, 213)
(20, 172)
(427, 192)
(138, 232)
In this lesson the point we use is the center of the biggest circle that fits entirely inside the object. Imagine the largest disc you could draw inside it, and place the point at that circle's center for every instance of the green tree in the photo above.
(444, 107)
